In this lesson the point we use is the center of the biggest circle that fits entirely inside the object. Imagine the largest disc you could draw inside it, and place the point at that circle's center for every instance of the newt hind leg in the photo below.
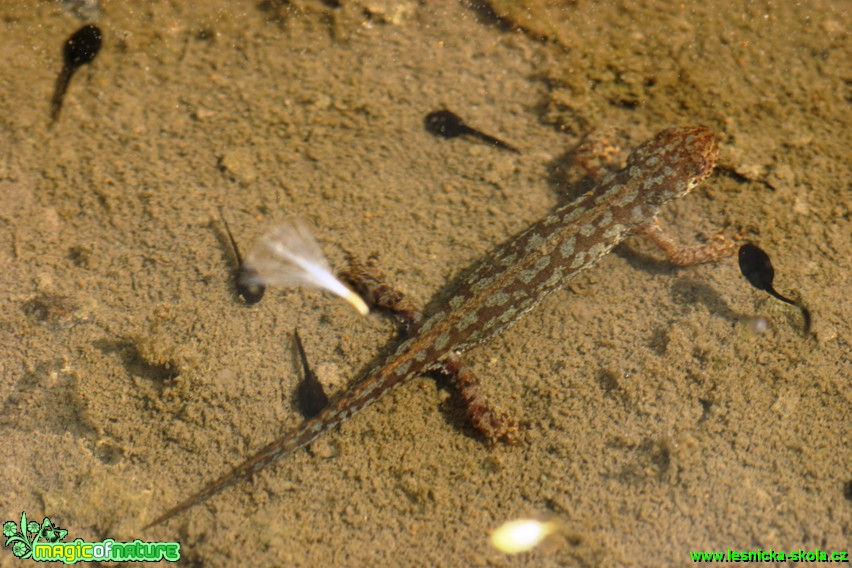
(494, 423)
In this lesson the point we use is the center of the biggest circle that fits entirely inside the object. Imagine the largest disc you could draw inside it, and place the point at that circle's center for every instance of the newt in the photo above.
(510, 282)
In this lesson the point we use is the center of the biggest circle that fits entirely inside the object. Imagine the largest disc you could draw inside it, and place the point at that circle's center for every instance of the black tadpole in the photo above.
(447, 124)
(245, 277)
(311, 394)
(757, 269)
(80, 49)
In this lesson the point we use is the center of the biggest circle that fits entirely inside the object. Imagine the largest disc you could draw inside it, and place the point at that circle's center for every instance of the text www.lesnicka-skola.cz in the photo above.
(769, 555)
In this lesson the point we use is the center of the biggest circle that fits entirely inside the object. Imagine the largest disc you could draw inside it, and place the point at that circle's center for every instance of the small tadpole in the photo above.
(757, 269)
(311, 394)
(80, 49)
(447, 124)
(245, 277)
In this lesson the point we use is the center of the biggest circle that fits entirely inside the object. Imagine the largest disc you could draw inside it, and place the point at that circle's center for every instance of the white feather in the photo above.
(289, 256)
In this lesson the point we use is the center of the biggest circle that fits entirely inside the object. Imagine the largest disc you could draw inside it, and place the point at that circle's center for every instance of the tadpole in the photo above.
(757, 269)
(447, 124)
(311, 394)
(245, 277)
(80, 49)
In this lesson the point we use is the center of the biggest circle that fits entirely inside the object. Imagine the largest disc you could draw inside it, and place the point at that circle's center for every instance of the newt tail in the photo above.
(371, 387)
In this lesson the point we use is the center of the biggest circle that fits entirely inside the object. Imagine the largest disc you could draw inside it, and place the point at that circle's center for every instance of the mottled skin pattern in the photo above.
(511, 282)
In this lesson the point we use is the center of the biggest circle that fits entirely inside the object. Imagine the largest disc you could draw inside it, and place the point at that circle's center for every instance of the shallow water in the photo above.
(655, 422)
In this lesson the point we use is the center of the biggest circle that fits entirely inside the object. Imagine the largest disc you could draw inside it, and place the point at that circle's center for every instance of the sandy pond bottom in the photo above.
(654, 422)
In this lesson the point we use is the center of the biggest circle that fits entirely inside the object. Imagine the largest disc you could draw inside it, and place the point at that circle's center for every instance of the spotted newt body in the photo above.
(510, 282)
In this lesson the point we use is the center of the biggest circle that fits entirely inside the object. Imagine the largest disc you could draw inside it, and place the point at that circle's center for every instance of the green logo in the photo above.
(22, 540)
(44, 542)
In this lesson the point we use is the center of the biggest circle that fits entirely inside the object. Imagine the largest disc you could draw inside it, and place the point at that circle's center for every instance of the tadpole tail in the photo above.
(806, 314)
(493, 141)
(774, 293)
(59, 92)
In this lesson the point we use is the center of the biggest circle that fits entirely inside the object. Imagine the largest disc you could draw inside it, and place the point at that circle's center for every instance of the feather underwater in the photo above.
(289, 256)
